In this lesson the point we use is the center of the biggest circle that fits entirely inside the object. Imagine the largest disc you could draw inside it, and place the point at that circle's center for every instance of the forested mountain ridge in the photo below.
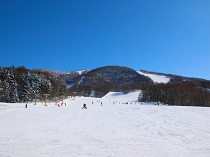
(109, 78)
(102, 80)
(23, 85)
(114, 75)
(179, 79)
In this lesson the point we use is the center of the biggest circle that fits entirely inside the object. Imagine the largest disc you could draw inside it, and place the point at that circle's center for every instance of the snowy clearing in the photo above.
(122, 127)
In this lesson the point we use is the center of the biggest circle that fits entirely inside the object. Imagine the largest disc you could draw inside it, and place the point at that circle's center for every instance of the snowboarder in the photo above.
(84, 106)
(26, 106)
(101, 104)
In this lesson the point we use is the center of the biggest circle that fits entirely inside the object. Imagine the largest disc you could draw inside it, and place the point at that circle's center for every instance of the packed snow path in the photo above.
(116, 129)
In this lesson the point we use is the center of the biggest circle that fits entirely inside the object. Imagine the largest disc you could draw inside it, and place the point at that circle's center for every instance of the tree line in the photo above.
(184, 94)
(23, 85)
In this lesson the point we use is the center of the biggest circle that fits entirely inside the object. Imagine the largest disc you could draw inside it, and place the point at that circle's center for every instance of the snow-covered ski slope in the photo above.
(156, 78)
(122, 127)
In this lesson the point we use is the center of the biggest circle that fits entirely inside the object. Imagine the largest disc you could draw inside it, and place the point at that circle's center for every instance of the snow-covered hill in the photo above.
(121, 127)
(156, 78)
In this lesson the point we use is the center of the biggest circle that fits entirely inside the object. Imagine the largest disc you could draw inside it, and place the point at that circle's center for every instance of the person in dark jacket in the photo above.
(84, 106)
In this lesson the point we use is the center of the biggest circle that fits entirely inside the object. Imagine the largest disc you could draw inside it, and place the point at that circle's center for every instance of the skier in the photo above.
(26, 106)
(84, 106)
(101, 104)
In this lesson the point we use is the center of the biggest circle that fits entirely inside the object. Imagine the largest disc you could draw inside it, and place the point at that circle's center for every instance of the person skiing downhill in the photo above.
(84, 106)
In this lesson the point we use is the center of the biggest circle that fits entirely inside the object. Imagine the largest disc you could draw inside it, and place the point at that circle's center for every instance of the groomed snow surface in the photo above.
(122, 127)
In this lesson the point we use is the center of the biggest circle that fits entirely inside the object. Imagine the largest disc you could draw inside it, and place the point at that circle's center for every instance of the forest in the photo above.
(183, 94)
(23, 85)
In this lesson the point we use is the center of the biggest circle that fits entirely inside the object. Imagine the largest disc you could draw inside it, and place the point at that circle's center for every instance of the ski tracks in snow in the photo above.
(130, 130)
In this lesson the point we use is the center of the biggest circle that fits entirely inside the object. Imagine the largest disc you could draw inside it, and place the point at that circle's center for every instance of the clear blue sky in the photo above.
(169, 36)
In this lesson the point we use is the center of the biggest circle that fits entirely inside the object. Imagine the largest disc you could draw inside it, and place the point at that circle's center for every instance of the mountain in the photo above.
(122, 75)
(22, 85)
(119, 75)
(115, 75)
(99, 81)
(109, 78)
(155, 87)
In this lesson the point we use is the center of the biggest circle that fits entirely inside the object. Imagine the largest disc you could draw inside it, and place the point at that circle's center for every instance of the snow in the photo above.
(81, 80)
(156, 78)
(81, 71)
(69, 85)
(121, 97)
(112, 130)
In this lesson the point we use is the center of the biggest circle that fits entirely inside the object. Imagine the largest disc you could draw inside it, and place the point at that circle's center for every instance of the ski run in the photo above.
(116, 125)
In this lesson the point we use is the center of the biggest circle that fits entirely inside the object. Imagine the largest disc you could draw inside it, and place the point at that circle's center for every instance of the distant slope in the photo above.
(156, 77)
(176, 79)
(116, 96)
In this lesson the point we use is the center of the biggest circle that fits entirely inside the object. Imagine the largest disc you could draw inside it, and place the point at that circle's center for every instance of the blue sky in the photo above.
(169, 36)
